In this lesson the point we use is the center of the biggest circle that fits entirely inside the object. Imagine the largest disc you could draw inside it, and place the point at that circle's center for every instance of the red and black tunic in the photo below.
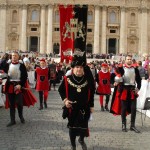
(42, 78)
(103, 80)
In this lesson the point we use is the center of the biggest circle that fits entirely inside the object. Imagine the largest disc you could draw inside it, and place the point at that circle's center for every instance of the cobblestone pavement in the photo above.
(46, 130)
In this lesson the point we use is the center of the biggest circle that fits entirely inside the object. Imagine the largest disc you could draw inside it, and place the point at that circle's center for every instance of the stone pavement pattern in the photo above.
(46, 130)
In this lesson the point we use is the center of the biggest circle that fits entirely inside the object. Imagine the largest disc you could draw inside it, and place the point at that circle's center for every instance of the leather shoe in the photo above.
(84, 147)
(134, 129)
(11, 124)
(41, 107)
(22, 120)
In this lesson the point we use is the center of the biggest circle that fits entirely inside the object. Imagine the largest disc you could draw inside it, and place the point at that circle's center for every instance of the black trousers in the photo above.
(13, 100)
(124, 107)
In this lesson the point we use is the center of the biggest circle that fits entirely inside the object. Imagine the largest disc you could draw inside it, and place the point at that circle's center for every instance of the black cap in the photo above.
(78, 61)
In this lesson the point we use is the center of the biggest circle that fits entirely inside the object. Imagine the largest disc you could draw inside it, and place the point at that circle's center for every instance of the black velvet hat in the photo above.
(78, 59)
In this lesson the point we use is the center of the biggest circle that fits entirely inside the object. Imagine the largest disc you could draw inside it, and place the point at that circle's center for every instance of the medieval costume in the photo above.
(104, 88)
(42, 83)
(14, 89)
(124, 96)
(77, 92)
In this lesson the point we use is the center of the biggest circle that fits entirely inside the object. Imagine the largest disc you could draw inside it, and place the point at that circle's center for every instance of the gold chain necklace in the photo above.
(77, 86)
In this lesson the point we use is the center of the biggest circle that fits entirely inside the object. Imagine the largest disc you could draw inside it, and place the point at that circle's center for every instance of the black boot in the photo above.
(12, 117)
(102, 108)
(84, 147)
(41, 107)
(20, 112)
(124, 129)
(133, 128)
(45, 104)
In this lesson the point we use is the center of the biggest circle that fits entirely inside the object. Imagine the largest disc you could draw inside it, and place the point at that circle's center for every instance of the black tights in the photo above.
(41, 97)
(124, 109)
(72, 135)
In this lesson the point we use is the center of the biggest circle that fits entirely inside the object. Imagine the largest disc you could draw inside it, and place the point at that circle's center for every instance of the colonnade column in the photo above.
(103, 37)
(144, 32)
(122, 31)
(23, 41)
(3, 28)
(42, 30)
(96, 49)
(50, 30)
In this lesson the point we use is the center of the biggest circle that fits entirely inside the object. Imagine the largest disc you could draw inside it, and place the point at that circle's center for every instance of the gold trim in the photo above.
(77, 86)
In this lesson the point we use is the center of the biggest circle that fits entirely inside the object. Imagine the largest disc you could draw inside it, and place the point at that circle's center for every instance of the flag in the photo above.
(73, 27)
(66, 46)
(80, 38)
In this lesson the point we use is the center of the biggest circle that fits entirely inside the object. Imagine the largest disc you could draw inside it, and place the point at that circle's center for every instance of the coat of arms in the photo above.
(74, 30)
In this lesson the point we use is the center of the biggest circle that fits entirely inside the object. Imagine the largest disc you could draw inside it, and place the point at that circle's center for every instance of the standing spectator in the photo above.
(141, 70)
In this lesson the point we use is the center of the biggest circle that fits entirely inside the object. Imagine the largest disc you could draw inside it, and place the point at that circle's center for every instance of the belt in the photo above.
(129, 87)
(14, 82)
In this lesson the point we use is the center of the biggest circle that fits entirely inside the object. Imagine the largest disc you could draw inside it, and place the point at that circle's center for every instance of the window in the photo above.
(90, 16)
(57, 16)
(133, 17)
(35, 15)
(112, 31)
(56, 29)
(89, 30)
(112, 17)
(33, 29)
(14, 16)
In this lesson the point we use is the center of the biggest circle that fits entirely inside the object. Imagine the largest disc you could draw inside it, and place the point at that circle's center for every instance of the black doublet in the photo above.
(77, 118)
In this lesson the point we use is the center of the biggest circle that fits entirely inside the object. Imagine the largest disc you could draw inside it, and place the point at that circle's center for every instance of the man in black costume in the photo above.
(77, 93)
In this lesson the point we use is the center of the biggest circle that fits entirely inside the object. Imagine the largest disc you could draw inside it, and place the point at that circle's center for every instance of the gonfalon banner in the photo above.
(73, 31)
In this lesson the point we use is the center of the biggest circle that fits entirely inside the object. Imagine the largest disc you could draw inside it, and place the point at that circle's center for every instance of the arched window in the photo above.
(133, 17)
(14, 16)
(90, 16)
(112, 17)
(57, 17)
(35, 15)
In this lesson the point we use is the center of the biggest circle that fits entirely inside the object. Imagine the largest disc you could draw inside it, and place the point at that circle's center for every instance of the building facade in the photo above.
(114, 26)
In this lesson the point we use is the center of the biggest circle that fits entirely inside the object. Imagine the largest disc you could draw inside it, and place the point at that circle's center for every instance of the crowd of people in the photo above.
(78, 82)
